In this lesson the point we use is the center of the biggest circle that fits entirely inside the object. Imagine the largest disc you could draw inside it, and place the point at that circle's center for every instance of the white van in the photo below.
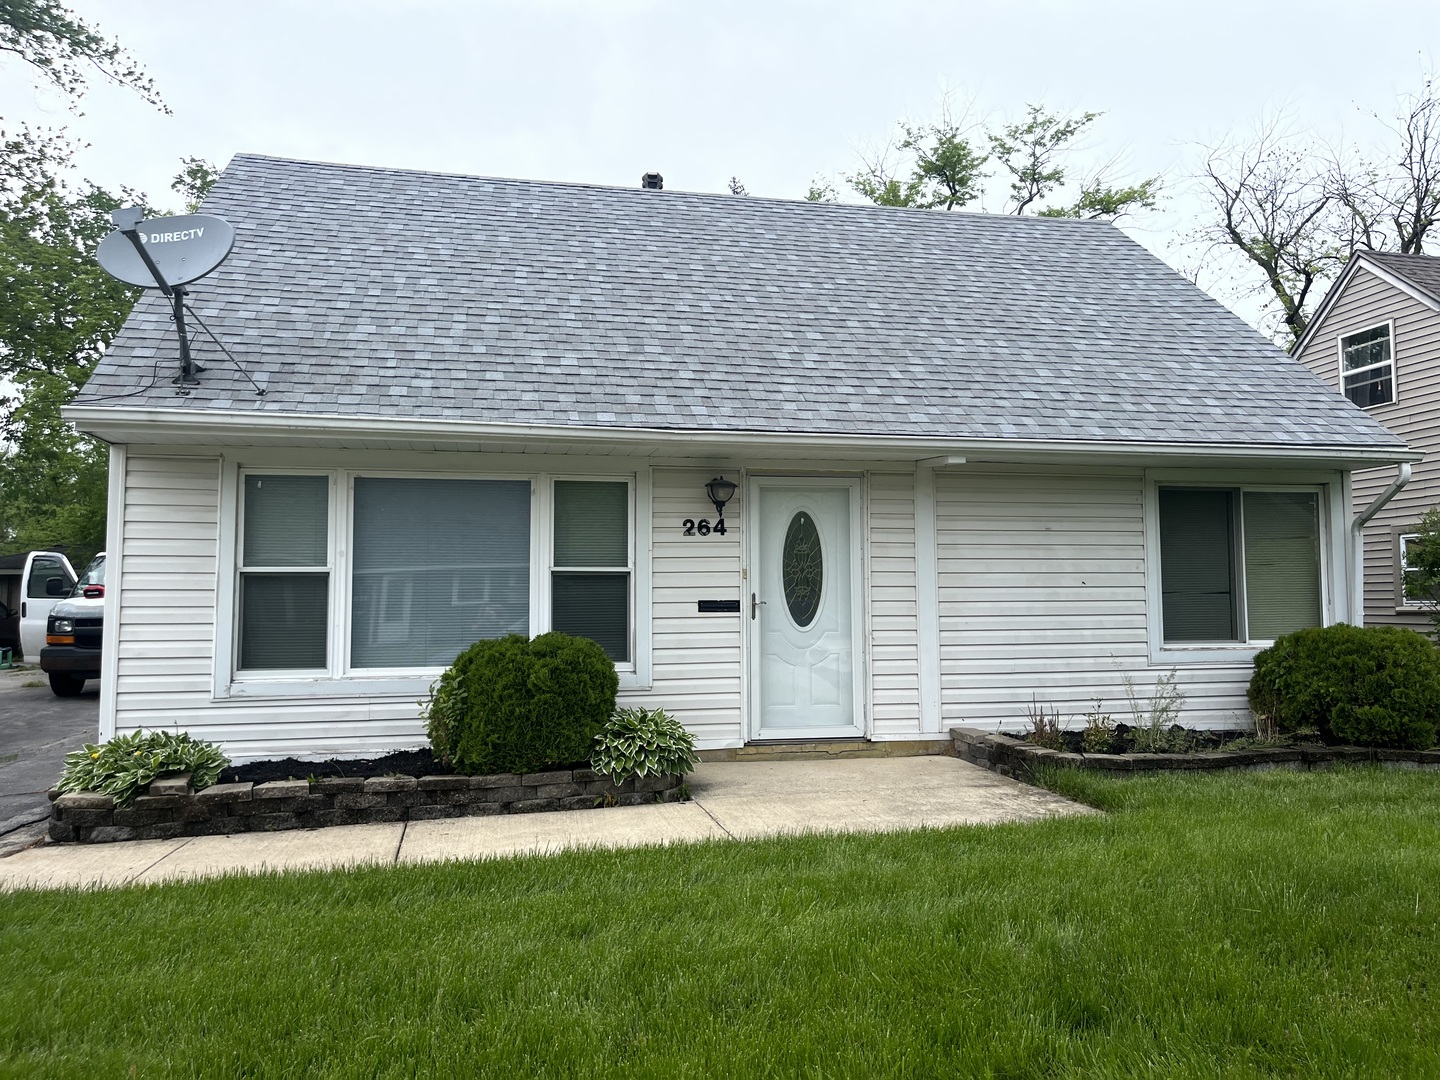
(46, 580)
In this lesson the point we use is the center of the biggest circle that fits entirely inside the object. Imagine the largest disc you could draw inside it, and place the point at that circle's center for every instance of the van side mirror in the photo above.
(58, 586)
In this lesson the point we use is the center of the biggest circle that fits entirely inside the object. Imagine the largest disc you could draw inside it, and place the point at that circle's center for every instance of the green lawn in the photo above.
(1272, 923)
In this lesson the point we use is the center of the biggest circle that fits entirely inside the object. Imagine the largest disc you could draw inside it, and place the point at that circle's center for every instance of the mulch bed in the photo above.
(1198, 741)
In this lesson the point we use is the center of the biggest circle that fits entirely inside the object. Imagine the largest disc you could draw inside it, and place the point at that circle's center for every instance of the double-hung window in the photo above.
(284, 586)
(1238, 565)
(1413, 591)
(1367, 367)
(590, 570)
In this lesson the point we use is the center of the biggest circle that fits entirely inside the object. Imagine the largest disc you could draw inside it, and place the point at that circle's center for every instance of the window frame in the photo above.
(628, 667)
(1340, 339)
(262, 674)
(1330, 521)
(339, 680)
(1403, 601)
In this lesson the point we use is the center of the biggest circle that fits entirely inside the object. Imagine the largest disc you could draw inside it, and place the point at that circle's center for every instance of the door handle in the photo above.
(755, 605)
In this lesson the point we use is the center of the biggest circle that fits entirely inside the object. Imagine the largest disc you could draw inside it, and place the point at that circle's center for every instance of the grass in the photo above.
(1213, 926)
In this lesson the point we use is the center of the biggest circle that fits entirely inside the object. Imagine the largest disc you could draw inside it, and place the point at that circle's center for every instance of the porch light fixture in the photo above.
(721, 491)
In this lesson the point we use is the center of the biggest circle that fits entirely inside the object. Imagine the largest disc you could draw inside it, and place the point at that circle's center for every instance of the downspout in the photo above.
(1357, 544)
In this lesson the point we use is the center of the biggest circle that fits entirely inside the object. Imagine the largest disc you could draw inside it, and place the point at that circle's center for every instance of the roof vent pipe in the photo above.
(652, 181)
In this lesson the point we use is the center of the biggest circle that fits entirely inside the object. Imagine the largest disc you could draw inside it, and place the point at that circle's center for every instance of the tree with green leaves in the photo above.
(63, 50)
(942, 166)
(58, 309)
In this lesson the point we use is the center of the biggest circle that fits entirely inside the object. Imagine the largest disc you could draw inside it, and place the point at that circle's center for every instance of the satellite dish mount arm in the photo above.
(128, 221)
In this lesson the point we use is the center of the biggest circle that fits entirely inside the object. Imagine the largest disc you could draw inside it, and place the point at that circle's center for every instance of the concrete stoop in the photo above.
(829, 749)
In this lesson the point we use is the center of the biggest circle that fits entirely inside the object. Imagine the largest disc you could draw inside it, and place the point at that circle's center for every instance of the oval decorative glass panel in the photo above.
(802, 569)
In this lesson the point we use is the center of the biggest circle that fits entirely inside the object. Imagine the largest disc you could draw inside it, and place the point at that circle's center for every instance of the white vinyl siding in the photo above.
(695, 658)
(1043, 593)
(894, 637)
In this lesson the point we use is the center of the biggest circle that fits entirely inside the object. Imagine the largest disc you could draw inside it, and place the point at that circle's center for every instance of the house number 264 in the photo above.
(703, 527)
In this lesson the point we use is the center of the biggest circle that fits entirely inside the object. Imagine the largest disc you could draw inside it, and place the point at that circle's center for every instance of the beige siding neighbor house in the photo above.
(1376, 338)
(970, 460)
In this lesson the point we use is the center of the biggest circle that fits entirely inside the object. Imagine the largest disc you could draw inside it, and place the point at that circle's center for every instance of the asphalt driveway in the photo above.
(37, 730)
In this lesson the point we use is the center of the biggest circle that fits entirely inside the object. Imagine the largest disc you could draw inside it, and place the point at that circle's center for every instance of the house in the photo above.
(1376, 338)
(976, 460)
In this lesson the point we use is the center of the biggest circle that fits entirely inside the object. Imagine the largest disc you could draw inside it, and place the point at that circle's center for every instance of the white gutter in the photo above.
(1357, 543)
(141, 425)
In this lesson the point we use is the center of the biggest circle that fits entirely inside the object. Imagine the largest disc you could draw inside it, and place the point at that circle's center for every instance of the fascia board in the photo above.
(161, 426)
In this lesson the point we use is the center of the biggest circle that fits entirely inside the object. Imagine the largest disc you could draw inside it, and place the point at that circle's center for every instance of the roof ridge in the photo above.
(587, 185)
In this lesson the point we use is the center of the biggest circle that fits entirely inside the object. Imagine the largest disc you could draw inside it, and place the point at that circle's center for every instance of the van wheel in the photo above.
(66, 685)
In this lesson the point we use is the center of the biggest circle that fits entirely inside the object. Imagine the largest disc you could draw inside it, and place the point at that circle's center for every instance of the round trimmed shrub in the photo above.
(518, 705)
(1371, 686)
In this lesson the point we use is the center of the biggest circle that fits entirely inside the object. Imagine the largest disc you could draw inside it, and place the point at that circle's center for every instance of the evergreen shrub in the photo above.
(1371, 686)
(517, 705)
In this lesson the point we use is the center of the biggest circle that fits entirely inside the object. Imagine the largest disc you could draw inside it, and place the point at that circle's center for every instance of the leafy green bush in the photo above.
(517, 705)
(1372, 686)
(642, 742)
(127, 763)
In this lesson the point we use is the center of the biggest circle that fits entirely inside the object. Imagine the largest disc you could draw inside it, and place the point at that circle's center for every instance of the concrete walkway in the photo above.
(731, 800)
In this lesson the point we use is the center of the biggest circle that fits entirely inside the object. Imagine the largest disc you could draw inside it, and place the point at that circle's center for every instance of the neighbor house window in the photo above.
(284, 589)
(437, 566)
(590, 568)
(1238, 565)
(1412, 592)
(1367, 367)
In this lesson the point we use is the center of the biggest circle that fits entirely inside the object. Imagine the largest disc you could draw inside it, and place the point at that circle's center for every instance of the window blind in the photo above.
(594, 606)
(1282, 562)
(1197, 579)
(438, 565)
(286, 521)
(592, 523)
(283, 620)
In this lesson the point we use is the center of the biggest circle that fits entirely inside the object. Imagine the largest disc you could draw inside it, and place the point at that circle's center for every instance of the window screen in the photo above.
(1197, 578)
(1282, 562)
(438, 565)
(590, 586)
(285, 576)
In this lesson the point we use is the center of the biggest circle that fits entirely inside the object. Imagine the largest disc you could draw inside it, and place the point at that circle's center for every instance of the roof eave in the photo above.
(162, 426)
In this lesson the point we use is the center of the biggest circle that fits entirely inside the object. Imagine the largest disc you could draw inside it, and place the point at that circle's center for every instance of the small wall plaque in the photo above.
(716, 606)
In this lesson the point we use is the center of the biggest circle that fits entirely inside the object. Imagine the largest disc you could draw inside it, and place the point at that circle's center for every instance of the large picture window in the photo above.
(1238, 565)
(437, 566)
(284, 589)
(343, 575)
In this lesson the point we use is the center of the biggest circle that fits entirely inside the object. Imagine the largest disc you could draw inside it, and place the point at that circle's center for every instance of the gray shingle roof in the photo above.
(380, 292)
(1422, 271)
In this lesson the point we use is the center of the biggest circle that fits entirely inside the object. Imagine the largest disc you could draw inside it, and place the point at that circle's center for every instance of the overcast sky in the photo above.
(775, 93)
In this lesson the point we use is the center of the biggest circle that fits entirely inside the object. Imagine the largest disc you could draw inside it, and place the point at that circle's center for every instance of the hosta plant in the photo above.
(126, 764)
(642, 742)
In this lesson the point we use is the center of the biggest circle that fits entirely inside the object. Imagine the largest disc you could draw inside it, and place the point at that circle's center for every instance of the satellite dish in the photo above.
(183, 249)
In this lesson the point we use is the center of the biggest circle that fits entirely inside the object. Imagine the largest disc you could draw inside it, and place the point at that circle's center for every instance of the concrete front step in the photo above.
(826, 749)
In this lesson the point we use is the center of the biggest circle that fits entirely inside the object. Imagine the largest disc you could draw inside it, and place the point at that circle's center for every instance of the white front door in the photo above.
(804, 621)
